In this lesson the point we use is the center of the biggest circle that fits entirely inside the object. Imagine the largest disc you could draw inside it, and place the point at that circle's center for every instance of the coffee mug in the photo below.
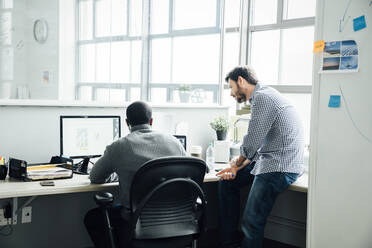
(196, 151)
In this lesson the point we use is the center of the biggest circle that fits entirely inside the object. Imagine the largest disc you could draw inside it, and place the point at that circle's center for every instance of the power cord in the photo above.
(8, 216)
(351, 118)
(10, 229)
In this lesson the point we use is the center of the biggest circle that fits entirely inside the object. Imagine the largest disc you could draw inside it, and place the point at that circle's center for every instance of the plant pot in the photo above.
(221, 135)
(184, 97)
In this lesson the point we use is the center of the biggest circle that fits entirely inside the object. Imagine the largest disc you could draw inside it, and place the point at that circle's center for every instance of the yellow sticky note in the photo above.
(318, 46)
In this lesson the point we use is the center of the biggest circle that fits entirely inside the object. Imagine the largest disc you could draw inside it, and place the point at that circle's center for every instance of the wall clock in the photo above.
(41, 30)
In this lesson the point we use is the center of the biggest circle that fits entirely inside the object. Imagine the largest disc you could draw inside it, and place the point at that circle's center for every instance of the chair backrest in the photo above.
(164, 195)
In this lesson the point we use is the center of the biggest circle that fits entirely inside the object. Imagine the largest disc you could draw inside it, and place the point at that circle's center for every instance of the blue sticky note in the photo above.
(334, 101)
(359, 23)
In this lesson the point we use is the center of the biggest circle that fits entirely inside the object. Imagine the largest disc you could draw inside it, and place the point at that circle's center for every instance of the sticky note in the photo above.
(318, 46)
(359, 23)
(334, 101)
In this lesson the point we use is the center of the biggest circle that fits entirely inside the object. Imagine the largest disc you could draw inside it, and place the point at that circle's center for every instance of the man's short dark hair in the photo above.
(139, 113)
(245, 72)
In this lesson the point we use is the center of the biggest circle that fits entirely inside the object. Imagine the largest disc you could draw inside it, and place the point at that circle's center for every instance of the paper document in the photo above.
(47, 172)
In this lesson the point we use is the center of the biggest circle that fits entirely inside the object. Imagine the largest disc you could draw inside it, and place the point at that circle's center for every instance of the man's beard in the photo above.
(241, 97)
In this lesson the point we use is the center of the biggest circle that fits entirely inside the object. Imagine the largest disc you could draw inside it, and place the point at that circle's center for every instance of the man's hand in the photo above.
(228, 173)
(233, 162)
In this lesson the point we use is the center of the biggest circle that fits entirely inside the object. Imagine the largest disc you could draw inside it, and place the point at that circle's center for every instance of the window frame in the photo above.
(173, 33)
(146, 39)
(280, 25)
(96, 40)
(245, 30)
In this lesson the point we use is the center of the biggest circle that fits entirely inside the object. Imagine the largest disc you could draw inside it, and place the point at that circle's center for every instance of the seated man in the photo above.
(125, 157)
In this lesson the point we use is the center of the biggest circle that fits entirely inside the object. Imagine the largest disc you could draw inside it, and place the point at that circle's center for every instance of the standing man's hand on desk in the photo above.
(235, 166)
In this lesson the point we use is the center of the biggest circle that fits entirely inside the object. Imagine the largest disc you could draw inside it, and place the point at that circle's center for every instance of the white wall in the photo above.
(66, 70)
(32, 133)
(340, 191)
(30, 57)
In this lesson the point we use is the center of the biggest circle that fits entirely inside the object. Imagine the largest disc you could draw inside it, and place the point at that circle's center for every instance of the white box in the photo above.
(221, 151)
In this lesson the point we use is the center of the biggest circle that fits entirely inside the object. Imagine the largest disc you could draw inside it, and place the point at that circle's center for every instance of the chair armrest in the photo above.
(104, 199)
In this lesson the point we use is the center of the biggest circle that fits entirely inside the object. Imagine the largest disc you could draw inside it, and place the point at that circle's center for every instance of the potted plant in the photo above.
(220, 125)
(184, 91)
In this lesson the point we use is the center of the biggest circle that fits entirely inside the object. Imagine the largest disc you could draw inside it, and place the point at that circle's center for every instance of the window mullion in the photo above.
(128, 17)
(280, 56)
(245, 13)
(171, 60)
(171, 16)
(219, 12)
(94, 20)
(128, 94)
(222, 37)
(279, 11)
(77, 49)
(292, 89)
(145, 49)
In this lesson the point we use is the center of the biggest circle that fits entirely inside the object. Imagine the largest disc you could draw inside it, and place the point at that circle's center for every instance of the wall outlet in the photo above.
(26, 214)
(3, 220)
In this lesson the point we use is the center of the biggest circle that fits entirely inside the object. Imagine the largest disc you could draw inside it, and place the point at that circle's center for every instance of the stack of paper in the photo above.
(50, 171)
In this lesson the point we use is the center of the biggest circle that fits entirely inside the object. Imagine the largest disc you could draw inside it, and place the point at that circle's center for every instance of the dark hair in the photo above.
(139, 113)
(245, 72)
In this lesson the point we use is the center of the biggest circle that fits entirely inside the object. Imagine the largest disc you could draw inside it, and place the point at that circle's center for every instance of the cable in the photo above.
(351, 118)
(9, 232)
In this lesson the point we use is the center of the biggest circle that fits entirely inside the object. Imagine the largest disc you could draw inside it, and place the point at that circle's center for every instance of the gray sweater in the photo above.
(126, 156)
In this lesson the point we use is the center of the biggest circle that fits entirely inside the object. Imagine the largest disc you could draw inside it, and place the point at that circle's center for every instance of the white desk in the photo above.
(78, 183)
(81, 183)
(300, 185)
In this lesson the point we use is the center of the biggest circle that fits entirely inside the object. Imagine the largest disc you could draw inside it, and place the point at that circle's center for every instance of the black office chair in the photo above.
(167, 204)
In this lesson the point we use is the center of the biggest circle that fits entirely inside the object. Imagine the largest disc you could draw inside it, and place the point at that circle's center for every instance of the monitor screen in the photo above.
(87, 136)
(182, 139)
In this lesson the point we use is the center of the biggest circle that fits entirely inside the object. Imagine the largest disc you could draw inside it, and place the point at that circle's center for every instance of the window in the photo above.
(156, 50)
(109, 50)
(184, 51)
(281, 36)
(168, 51)
(231, 45)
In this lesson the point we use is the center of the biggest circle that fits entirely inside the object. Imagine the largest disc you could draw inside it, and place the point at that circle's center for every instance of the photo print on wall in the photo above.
(340, 56)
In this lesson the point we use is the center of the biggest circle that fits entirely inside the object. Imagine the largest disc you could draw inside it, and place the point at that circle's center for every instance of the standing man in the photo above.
(271, 159)
(125, 157)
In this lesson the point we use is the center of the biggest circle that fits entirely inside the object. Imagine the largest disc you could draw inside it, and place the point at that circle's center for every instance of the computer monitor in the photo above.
(182, 139)
(87, 136)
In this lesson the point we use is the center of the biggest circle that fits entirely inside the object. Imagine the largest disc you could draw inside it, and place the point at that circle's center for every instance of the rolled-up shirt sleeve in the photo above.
(264, 113)
(103, 168)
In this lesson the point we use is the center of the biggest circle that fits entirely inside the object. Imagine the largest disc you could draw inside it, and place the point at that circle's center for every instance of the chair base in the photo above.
(176, 242)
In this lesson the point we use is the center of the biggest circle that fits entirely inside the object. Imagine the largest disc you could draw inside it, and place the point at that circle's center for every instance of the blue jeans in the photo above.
(264, 191)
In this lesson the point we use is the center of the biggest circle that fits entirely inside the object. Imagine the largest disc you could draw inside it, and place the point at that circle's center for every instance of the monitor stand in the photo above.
(82, 167)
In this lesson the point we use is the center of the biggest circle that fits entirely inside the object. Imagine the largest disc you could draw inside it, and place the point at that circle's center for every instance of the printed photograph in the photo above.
(349, 48)
(332, 49)
(349, 63)
(331, 63)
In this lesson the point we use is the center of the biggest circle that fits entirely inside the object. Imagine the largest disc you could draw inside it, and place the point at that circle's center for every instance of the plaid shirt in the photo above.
(275, 137)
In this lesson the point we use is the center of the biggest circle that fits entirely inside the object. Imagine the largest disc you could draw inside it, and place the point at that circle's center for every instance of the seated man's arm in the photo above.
(103, 168)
